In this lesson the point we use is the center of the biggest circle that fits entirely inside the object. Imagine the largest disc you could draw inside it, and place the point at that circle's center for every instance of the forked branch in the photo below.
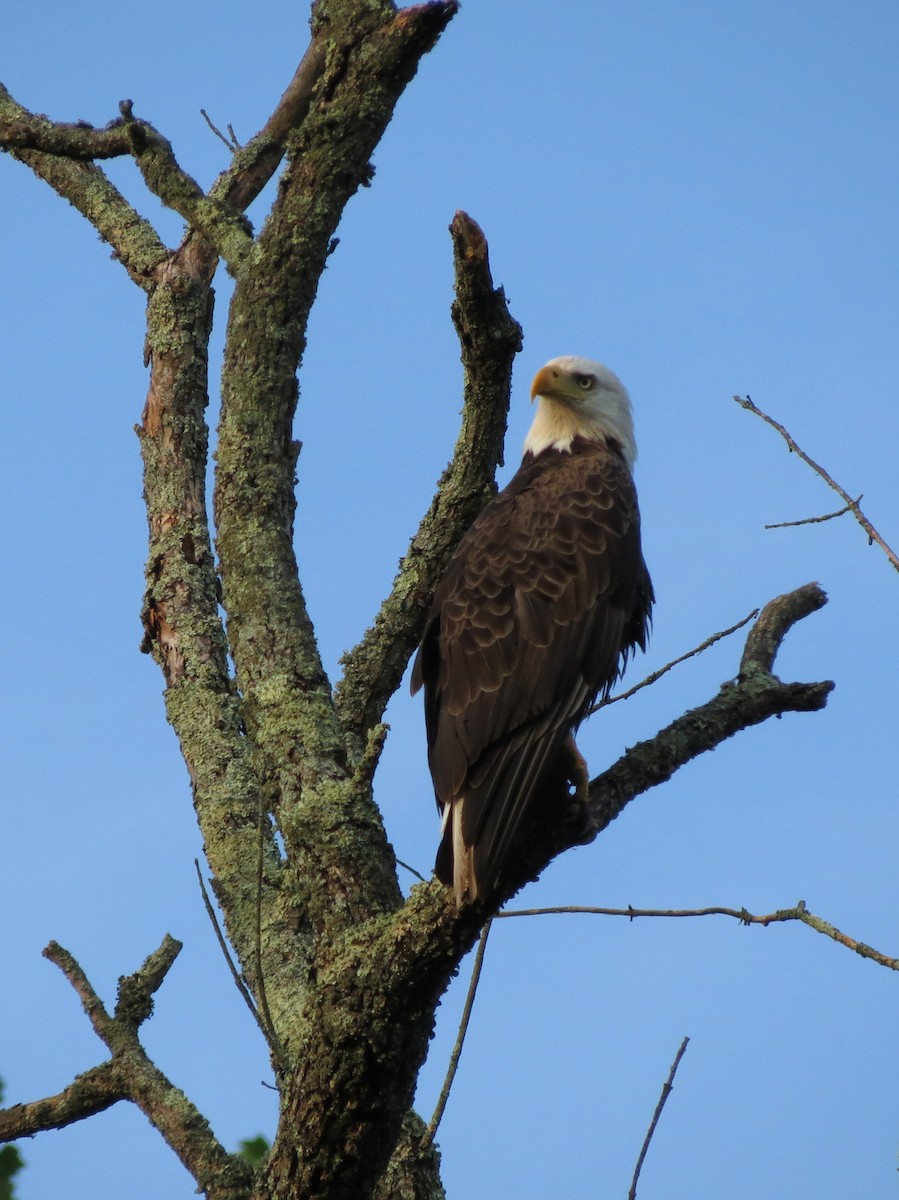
(136, 244)
(130, 1075)
(851, 505)
(225, 230)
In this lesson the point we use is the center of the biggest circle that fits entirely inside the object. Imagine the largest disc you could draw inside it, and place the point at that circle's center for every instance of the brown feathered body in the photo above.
(542, 602)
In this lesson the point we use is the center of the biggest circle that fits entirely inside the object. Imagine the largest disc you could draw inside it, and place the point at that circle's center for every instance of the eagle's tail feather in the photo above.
(455, 863)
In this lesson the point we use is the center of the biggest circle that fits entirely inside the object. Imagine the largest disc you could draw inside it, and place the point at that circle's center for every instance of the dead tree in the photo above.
(343, 974)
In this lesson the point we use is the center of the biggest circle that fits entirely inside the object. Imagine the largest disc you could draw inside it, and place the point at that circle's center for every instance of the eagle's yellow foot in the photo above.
(577, 775)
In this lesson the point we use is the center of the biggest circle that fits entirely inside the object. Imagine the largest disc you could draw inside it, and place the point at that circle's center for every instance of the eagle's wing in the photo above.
(544, 596)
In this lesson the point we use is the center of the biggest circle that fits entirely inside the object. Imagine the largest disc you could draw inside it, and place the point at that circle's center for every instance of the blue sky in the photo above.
(701, 195)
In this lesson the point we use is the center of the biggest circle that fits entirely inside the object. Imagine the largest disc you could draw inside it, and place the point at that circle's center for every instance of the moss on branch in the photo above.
(489, 338)
(369, 59)
(135, 242)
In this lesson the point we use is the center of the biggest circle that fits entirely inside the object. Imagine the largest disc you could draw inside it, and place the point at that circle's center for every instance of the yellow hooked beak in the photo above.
(549, 382)
(546, 382)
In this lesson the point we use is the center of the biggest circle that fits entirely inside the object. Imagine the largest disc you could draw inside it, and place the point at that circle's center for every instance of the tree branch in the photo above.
(184, 632)
(267, 324)
(230, 141)
(135, 242)
(756, 695)
(255, 163)
(851, 505)
(840, 512)
(77, 140)
(90, 1001)
(287, 699)
(223, 228)
(130, 1075)
(666, 1092)
(413, 1172)
(456, 1054)
(490, 338)
(88, 1094)
(266, 1026)
(798, 912)
(656, 675)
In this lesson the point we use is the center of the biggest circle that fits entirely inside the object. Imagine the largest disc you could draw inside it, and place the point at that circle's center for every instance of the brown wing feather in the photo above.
(545, 596)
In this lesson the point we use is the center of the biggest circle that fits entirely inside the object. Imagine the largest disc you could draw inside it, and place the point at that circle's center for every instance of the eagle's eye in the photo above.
(584, 382)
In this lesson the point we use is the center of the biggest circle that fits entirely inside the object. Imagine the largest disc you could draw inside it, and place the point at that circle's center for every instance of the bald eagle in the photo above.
(542, 602)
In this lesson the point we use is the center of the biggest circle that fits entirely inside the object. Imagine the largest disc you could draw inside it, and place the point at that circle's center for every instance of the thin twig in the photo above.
(411, 870)
(851, 505)
(266, 1023)
(841, 512)
(650, 679)
(442, 1099)
(666, 1092)
(232, 146)
(799, 912)
(756, 695)
(235, 974)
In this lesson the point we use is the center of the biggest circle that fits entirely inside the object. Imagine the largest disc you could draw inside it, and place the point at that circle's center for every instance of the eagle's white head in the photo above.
(577, 397)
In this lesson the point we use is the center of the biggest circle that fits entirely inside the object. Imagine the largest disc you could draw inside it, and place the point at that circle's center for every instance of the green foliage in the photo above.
(11, 1162)
(254, 1150)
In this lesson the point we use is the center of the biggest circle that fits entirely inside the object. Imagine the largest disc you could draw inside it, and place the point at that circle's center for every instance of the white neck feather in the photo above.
(556, 425)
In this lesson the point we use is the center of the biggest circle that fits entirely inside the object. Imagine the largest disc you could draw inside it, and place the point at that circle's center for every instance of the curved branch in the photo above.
(490, 338)
(136, 244)
(756, 695)
(769, 631)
